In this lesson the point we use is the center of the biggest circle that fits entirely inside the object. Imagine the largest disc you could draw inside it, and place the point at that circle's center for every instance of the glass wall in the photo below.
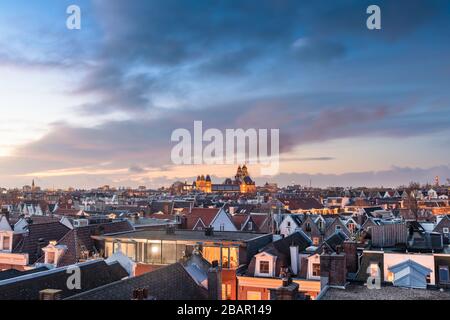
(154, 253)
(169, 252)
(228, 257)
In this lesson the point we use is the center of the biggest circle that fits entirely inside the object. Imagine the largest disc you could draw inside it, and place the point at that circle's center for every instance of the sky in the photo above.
(355, 107)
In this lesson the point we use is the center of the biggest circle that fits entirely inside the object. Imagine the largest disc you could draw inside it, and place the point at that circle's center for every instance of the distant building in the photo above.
(242, 183)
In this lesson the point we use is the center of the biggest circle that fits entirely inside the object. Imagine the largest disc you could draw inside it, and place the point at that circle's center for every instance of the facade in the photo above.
(242, 183)
(154, 249)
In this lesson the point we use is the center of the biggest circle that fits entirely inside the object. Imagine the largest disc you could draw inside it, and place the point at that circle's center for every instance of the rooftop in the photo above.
(360, 292)
(195, 235)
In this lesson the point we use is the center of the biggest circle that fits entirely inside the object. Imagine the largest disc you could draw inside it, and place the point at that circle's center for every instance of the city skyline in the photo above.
(96, 106)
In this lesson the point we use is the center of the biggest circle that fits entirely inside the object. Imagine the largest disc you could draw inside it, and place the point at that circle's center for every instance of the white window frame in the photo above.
(271, 262)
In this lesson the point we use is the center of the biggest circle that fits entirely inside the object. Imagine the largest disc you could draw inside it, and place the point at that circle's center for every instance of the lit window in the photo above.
(264, 267)
(253, 295)
(226, 292)
(6, 241)
(50, 257)
(316, 241)
(390, 276)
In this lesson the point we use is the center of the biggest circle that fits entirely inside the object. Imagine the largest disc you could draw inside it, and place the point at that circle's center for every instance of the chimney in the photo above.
(50, 294)
(333, 269)
(287, 291)
(170, 229)
(209, 231)
(214, 282)
(140, 294)
(350, 248)
(294, 259)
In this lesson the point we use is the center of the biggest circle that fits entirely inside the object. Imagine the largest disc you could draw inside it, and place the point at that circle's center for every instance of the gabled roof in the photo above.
(411, 264)
(206, 215)
(282, 246)
(168, 283)
(40, 233)
(79, 239)
(93, 274)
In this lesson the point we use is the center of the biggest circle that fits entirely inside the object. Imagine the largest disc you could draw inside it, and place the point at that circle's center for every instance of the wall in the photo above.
(426, 260)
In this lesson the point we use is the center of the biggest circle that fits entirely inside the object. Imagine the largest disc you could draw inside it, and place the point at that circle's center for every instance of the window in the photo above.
(320, 225)
(225, 258)
(253, 295)
(234, 258)
(444, 274)
(316, 269)
(169, 252)
(6, 240)
(338, 228)
(154, 253)
(212, 254)
(445, 230)
(222, 227)
(226, 292)
(264, 267)
(390, 276)
(50, 257)
(250, 225)
(351, 226)
(289, 224)
(108, 249)
(308, 227)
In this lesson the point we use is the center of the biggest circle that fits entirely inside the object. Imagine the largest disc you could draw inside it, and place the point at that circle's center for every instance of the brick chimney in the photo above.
(215, 282)
(333, 269)
(287, 291)
(50, 294)
(350, 248)
(141, 294)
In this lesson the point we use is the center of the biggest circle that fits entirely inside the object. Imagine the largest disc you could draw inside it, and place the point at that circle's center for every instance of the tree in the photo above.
(411, 201)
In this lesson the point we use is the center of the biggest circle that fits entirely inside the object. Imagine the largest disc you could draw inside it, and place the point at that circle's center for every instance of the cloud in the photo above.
(393, 177)
(307, 50)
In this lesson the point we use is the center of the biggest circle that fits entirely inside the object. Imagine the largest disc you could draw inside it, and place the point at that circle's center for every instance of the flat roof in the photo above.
(193, 235)
(360, 292)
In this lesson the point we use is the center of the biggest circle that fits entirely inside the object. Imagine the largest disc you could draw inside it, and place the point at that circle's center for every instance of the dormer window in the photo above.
(320, 224)
(53, 252)
(6, 243)
(264, 267)
(250, 225)
(445, 230)
(265, 264)
(50, 257)
(308, 227)
(338, 228)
